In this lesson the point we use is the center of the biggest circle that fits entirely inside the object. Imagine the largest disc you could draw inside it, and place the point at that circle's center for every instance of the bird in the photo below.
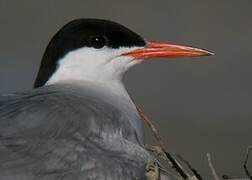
(78, 122)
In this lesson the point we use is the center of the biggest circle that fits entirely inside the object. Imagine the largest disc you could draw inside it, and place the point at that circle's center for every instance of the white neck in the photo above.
(105, 66)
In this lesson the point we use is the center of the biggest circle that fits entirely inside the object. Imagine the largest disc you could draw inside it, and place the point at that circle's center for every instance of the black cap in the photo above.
(79, 33)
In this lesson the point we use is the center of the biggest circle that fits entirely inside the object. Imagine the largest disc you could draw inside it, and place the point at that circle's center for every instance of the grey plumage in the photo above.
(68, 132)
(80, 123)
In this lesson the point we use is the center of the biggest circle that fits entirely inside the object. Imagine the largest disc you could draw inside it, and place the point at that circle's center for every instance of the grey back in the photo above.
(61, 132)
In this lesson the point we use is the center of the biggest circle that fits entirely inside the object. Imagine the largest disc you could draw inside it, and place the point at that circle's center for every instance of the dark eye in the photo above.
(97, 42)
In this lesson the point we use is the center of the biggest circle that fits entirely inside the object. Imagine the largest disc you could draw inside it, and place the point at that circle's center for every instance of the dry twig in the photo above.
(212, 167)
(246, 162)
(156, 134)
(194, 171)
(153, 128)
(157, 150)
(161, 152)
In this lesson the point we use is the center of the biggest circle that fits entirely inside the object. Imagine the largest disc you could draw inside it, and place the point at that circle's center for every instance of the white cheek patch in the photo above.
(105, 64)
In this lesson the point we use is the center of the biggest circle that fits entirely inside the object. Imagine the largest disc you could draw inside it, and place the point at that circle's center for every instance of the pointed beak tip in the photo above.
(207, 53)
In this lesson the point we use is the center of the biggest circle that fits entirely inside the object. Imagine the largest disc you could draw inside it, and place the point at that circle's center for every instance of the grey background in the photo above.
(200, 105)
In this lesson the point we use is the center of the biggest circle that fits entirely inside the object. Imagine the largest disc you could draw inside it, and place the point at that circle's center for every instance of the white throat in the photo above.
(105, 66)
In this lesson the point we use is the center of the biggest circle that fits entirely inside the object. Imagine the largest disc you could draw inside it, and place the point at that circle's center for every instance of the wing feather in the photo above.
(53, 134)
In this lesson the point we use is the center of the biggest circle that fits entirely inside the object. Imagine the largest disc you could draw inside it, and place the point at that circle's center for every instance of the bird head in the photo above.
(100, 50)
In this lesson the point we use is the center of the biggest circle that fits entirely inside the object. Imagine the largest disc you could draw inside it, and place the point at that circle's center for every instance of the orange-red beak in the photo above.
(165, 50)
